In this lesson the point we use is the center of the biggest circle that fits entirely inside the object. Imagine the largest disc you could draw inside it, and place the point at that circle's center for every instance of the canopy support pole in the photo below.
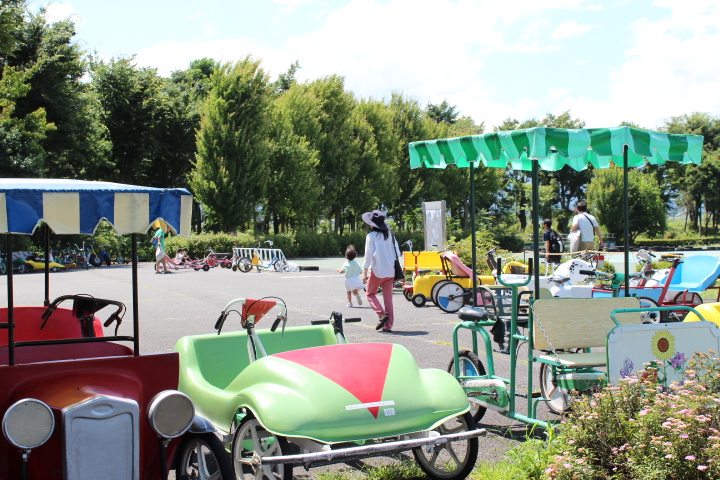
(473, 300)
(11, 301)
(626, 200)
(536, 225)
(135, 297)
(47, 264)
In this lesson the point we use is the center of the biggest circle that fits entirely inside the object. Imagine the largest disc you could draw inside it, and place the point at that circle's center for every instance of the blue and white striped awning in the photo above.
(77, 206)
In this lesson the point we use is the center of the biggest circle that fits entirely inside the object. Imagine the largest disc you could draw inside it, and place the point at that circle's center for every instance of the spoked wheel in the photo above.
(251, 440)
(452, 460)
(280, 265)
(243, 264)
(450, 297)
(649, 317)
(120, 260)
(558, 398)
(203, 457)
(470, 366)
(681, 298)
(434, 289)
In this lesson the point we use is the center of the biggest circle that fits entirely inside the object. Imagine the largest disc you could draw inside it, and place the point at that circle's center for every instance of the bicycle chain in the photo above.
(535, 316)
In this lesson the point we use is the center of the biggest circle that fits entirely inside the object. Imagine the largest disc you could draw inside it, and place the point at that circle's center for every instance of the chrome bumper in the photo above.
(365, 451)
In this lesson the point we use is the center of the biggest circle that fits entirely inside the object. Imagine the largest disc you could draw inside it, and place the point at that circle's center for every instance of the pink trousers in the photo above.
(373, 284)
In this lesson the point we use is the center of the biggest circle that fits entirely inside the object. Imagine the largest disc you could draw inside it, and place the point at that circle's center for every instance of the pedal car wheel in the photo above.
(234, 268)
(252, 439)
(55, 269)
(244, 264)
(434, 289)
(85, 265)
(408, 294)
(649, 317)
(450, 297)
(206, 267)
(558, 398)
(22, 268)
(470, 366)
(280, 265)
(419, 300)
(202, 456)
(120, 260)
(681, 298)
(452, 460)
(95, 261)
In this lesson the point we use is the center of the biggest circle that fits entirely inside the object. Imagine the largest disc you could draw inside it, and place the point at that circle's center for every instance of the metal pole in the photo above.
(473, 301)
(626, 200)
(135, 297)
(47, 264)
(11, 306)
(536, 224)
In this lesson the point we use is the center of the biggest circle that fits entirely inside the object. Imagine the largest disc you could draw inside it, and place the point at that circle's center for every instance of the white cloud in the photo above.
(571, 29)
(434, 50)
(60, 11)
(209, 29)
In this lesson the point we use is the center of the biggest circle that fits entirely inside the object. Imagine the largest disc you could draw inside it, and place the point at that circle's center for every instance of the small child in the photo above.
(352, 271)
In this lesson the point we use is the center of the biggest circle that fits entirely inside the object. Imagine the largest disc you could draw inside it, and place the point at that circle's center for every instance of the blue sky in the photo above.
(605, 61)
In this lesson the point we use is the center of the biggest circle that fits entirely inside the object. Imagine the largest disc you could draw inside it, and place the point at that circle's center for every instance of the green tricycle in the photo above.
(563, 338)
(304, 396)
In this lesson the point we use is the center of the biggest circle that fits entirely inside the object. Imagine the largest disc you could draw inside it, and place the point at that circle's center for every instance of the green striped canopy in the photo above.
(553, 148)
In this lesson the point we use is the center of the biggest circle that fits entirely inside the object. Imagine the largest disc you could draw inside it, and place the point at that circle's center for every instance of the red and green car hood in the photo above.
(336, 393)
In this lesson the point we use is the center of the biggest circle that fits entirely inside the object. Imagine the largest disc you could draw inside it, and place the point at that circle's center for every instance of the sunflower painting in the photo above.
(662, 345)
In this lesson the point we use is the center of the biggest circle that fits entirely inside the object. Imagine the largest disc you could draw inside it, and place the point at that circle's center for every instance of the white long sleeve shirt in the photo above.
(380, 254)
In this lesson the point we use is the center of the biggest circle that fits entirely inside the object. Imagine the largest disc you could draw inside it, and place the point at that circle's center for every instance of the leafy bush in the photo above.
(511, 243)
(526, 461)
(639, 430)
(485, 241)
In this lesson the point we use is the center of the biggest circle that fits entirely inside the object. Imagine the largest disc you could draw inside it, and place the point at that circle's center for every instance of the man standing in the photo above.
(588, 226)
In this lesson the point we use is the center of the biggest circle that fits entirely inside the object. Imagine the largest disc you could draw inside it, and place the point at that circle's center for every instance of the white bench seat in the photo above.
(575, 360)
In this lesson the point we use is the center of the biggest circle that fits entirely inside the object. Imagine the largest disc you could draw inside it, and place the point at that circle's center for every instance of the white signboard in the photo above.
(434, 224)
(632, 347)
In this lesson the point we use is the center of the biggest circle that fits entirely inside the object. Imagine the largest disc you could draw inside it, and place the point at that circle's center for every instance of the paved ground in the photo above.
(187, 302)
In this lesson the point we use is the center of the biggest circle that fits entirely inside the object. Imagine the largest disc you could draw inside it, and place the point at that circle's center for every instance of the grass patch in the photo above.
(406, 470)
(526, 461)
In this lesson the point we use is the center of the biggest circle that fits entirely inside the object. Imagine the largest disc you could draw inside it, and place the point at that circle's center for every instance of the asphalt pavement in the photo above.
(187, 302)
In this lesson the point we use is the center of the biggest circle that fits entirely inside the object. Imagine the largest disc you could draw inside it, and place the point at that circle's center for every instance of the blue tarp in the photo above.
(77, 206)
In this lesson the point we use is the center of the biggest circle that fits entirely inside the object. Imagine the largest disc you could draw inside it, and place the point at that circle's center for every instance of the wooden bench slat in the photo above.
(579, 322)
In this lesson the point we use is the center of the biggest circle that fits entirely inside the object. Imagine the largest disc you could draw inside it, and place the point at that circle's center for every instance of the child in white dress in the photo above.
(352, 271)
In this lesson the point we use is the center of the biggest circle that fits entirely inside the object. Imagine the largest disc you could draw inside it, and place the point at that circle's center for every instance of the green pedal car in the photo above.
(303, 396)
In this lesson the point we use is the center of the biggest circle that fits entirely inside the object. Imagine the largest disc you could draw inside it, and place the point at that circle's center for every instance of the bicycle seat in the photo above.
(558, 279)
(473, 314)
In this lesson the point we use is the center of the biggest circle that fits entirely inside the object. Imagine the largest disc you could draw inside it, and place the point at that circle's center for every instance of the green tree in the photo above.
(182, 97)
(647, 210)
(230, 172)
(293, 185)
(442, 112)
(78, 145)
(11, 18)
(325, 117)
(131, 111)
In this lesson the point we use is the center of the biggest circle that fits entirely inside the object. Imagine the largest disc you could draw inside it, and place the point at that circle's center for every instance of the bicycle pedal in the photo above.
(536, 395)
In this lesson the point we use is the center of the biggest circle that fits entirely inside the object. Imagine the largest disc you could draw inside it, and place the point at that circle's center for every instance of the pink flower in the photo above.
(690, 457)
(669, 455)
(702, 467)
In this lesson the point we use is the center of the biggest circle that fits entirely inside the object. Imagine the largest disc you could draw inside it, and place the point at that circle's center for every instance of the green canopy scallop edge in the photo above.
(554, 148)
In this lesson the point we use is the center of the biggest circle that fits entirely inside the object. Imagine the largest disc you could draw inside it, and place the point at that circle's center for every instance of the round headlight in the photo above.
(28, 423)
(170, 413)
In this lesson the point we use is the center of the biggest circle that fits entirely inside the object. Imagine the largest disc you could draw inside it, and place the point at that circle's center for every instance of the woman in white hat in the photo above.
(381, 250)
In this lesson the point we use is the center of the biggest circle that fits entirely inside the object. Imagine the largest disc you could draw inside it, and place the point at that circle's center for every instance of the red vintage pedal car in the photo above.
(76, 403)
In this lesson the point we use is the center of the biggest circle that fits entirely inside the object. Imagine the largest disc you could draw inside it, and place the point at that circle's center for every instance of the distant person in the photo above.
(381, 250)
(551, 238)
(352, 270)
(588, 226)
(161, 257)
